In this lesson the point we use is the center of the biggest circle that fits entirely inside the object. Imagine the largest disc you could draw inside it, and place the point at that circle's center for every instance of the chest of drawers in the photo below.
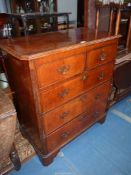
(61, 85)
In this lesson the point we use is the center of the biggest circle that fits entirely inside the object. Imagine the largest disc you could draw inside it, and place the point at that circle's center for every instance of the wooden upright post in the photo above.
(97, 21)
(129, 34)
(111, 21)
(118, 21)
(97, 18)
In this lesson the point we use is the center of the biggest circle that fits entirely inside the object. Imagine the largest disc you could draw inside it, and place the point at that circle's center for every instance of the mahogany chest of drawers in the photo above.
(62, 82)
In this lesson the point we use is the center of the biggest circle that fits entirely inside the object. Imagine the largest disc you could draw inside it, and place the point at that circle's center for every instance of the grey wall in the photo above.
(3, 8)
(68, 6)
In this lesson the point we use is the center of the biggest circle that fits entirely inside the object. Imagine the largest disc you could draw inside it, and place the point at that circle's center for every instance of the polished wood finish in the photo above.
(82, 103)
(68, 90)
(62, 81)
(100, 56)
(59, 69)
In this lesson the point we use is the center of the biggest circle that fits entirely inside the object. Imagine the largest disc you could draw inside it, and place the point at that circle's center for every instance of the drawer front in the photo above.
(100, 56)
(68, 131)
(61, 69)
(66, 91)
(67, 112)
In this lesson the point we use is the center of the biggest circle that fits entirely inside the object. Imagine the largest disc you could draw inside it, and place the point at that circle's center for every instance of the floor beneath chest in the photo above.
(102, 150)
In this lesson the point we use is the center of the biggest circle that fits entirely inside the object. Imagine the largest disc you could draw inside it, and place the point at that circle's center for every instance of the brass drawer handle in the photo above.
(64, 114)
(65, 135)
(64, 69)
(64, 93)
(103, 56)
(101, 76)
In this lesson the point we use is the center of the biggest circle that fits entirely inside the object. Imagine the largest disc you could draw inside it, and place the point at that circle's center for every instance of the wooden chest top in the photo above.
(30, 47)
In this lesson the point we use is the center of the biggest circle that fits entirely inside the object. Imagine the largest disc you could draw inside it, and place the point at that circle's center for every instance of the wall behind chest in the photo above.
(3, 8)
(68, 6)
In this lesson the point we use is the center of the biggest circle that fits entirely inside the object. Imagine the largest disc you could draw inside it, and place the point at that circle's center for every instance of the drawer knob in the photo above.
(103, 56)
(84, 77)
(65, 135)
(64, 69)
(64, 93)
(64, 114)
(101, 76)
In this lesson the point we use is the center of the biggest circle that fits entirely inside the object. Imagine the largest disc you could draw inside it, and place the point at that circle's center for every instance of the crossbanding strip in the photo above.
(121, 115)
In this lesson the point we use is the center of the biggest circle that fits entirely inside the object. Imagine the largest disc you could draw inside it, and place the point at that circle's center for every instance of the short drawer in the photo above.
(69, 131)
(56, 96)
(100, 56)
(50, 73)
(63, 114)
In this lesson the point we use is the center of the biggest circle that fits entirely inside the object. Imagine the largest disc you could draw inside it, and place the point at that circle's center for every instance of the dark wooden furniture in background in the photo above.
(38, 24)
(51, 24)
(62, 81)
(29, 5)
(7, 132)
(3, 19)
(122, 72)
(120, 23)
(118, 13)
(82, 13)
(31, 19)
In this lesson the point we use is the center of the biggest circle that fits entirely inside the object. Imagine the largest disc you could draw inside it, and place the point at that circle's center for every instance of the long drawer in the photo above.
(69, 131)
(63, 114)
(56, 96)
